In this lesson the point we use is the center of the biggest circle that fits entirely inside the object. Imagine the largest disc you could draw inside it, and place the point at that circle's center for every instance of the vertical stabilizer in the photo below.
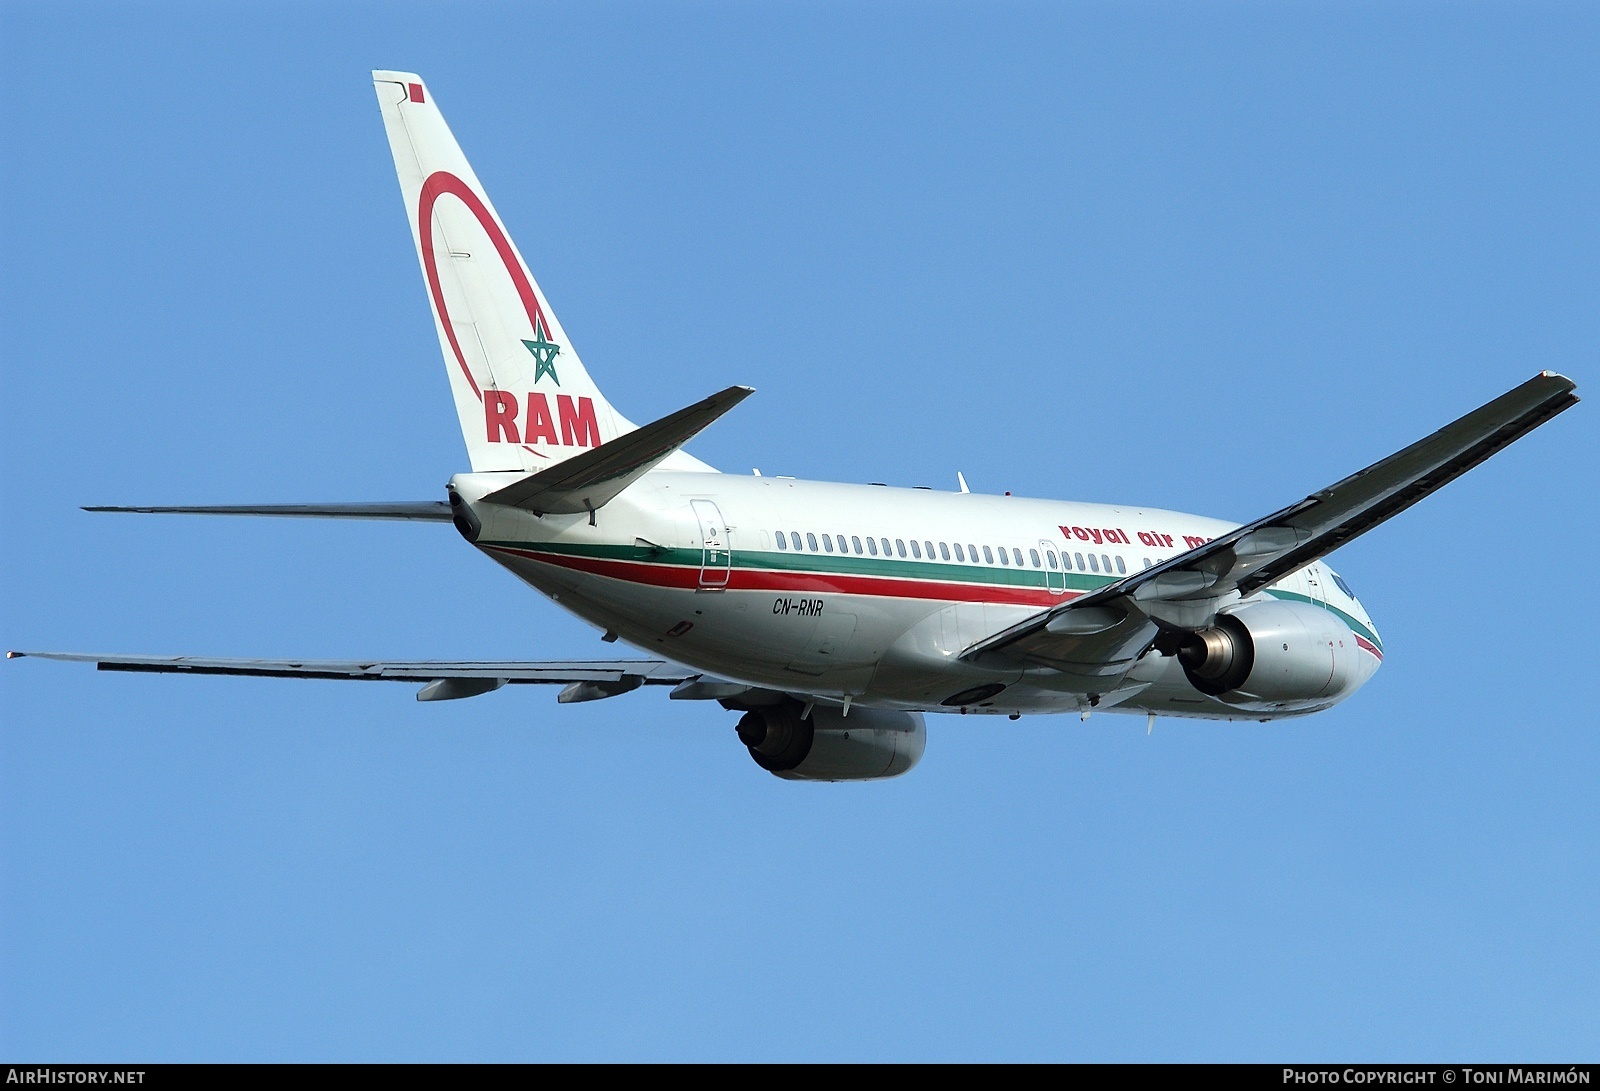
(524, 398)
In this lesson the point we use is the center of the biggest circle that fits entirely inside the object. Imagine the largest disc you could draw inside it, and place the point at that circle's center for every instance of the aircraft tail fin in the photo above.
(524, 398)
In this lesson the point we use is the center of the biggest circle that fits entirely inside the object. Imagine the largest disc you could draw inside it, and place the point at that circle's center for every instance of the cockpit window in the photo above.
(1345, 587)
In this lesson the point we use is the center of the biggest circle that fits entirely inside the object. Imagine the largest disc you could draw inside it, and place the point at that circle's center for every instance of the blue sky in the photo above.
(1196, 256)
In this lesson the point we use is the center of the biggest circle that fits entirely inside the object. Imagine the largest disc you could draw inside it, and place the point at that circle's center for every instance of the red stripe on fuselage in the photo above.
(1363, 642)
(761, 579)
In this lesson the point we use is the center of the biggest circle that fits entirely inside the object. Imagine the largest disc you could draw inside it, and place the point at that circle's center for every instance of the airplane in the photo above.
(833, 617)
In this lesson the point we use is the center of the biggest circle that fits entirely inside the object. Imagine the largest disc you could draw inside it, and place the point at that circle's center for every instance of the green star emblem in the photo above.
(544, 355)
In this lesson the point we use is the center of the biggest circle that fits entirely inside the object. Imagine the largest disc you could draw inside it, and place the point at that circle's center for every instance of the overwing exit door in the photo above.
(1054, 578)
(716, 552)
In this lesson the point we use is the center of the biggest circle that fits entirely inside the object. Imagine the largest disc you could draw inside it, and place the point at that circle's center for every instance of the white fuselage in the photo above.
(851, 605)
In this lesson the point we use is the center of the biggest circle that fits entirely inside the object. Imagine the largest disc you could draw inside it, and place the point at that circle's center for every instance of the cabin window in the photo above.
(1003, 558)
(872, 546)
(885, 542)
(988, 555)
(944, 551)
(960, 556)
(783, 543)
(1033, 555)
(844, 546)
(1093, 564)
(1107, 561)
(900, 547)
(928, 546)
(1050, 555)
(794, 538)
(916, 550)
(827, 543)
(857, 543)
(1079, 557)
(811, 540)
(1017, 553)
(1120, 568)
(1147, 562)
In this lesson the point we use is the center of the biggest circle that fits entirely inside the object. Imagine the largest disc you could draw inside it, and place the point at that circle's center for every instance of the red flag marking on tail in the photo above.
(416, 92)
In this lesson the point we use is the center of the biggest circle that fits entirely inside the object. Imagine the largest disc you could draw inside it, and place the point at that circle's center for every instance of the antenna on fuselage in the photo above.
(962, 481)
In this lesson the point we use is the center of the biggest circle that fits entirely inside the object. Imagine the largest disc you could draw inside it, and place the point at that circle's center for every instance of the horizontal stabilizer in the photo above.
(435, 511)
(587, 481)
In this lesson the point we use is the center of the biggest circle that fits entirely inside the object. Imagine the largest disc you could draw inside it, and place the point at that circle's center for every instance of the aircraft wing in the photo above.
(1249, 558)
(585, 679)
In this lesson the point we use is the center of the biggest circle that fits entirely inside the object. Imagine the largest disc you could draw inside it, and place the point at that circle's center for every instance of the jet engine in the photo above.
(868, 744)
(1273, 656)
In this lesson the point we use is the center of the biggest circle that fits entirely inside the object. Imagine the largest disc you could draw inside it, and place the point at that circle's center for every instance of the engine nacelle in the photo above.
(1274, 656)
(869, 744)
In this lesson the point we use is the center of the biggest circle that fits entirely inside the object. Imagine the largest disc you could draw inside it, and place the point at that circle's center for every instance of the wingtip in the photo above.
(15, 655)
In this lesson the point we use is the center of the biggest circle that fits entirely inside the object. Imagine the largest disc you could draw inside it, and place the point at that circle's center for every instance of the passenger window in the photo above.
(827, 543)
(928, 548)
(872, 546)
(857, 543)
(988, 555)
(1033, 555)
(844, 547)
(900, 546)
(944, 551)
(972, 553)
(783, 543)
(1017, 553)
(885, 542)
(1120, 569)
(794, 537)
(1050, 555)
(1147, 562)
(811, 540)
(916, 550)
(1107, 561)
(1093, 567)
(959, 555)
(1003, 558)
(1080, 563)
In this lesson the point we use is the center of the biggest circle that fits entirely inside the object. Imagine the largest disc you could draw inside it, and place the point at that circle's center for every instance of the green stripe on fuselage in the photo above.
(824, 564)
(880, 567)
(1356, 626)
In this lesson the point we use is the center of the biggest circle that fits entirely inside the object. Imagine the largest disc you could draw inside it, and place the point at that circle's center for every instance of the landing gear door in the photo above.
(716, 553)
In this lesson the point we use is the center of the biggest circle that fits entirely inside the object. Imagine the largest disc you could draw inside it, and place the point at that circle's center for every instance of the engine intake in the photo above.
(869, 744)
(1273, 655)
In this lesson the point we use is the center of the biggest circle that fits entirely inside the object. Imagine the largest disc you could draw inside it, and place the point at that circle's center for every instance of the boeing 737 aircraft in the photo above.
(832, 617)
